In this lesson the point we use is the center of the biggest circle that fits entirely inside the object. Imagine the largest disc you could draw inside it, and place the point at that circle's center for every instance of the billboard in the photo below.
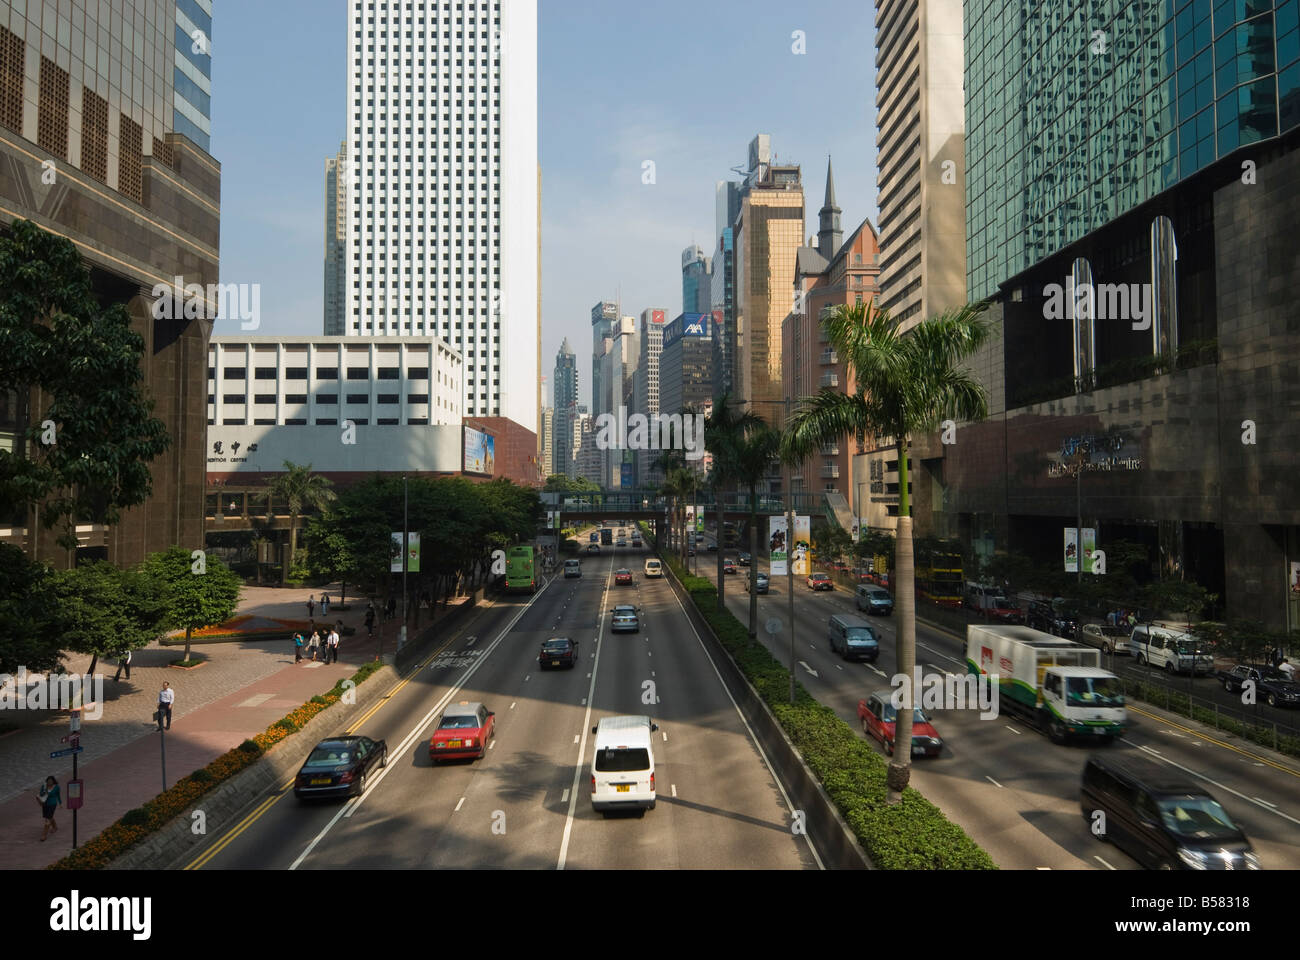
(1072, 549)
(480, 452)
(776, 546)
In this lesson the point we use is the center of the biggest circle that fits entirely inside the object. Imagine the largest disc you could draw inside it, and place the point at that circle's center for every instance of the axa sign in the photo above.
(696, 327)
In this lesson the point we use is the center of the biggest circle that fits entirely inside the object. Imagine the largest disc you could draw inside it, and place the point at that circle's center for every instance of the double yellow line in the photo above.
(282, 790)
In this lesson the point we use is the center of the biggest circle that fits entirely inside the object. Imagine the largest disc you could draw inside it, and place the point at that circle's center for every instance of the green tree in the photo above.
(751, 459)
(906, 384)
(29, 634)
(106, 612)
(196, 592)
(724, 432)
(75, 364)
(301, 489)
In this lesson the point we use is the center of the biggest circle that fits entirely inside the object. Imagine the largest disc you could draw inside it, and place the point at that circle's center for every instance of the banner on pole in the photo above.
(776, 545)
(802, 545)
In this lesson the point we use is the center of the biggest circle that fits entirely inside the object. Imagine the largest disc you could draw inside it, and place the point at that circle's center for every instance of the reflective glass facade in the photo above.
(192, 113)
(1078, 111)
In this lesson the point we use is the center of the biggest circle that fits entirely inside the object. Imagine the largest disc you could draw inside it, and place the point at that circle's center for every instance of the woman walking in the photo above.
(311, 606)
(313, 642)
(50, 797)
(297, 647)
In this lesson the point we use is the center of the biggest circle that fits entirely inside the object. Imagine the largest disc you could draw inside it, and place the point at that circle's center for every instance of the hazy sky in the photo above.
(684, 84)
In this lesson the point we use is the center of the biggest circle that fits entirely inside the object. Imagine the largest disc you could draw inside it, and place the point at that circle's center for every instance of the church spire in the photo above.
(829, 235)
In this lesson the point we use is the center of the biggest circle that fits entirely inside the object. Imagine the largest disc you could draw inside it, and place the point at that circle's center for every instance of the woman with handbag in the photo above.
(49, 798)
(297, 647)
(313, 641)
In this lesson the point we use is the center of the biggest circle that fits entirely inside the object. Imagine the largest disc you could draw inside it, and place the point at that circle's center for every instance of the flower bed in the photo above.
(135, 825)
(248, 627)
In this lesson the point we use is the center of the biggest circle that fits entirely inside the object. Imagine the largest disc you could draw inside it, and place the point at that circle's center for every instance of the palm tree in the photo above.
(906, 384)
(723, 433)
(669, 463)
(301, 488)
(750, 457)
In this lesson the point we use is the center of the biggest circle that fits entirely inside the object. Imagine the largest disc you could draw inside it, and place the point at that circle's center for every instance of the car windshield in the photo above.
(622, 759)
(329, 755)
(1197, 817)
(556, 646)
(1189, 648)
(459, 722)
(861, 636)
(1094, 692)
(890, 714)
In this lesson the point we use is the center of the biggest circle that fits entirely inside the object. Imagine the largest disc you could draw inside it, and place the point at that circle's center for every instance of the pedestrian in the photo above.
(297, 647)
(370, 620)
(166, 697)
(49, 798)
(1277, 656)
(334, 645)
(392, 607)
(313, 643)
(123, 663)
(324, 604)
(1286, 667)
(311, 606)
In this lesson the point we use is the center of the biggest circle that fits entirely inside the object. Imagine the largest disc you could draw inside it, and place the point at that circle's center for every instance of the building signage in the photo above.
(657, 316)
(1072, 549)
(480, 452)
(223, 452)
(1104, 453)
(695, 325)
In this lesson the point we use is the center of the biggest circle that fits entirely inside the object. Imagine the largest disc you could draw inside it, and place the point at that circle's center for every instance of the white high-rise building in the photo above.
(442, 197)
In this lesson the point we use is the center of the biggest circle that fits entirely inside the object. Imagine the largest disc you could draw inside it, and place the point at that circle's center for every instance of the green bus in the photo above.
(521, 570)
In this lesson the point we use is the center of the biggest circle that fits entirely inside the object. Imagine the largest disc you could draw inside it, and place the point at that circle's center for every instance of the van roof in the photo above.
(632, 731)
(850, 620)
(1157, 777)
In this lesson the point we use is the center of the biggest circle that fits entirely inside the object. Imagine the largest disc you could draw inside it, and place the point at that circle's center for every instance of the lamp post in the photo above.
(406, 550)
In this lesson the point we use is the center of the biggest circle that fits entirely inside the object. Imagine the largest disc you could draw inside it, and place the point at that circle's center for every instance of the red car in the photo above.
(463, 732)
(623, 578)
(878, 717)
(728, 566)
(820, 581)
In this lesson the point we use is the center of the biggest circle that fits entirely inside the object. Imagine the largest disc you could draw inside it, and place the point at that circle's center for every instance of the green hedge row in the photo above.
(914, 834)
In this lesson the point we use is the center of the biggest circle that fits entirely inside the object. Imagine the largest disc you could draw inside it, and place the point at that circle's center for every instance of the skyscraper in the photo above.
(548, 441)
(443, 187)
(768, 232)
(697, 293)
(723, 288)
(565, 387)
(336, 241)
(646, 393)
(920, 141)
(104, 134)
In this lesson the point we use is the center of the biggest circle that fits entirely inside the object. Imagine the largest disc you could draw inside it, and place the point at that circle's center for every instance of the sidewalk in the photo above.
(242, 688)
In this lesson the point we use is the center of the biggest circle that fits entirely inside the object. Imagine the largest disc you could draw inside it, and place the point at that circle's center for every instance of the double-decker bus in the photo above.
(521, 570)
(939, 578)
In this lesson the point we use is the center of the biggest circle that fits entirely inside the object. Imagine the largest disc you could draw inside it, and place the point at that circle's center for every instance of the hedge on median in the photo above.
(912, 835)
(136, 825)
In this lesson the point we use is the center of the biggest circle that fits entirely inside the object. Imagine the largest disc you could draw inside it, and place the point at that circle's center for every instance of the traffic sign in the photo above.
(74, 738)
(65, 753)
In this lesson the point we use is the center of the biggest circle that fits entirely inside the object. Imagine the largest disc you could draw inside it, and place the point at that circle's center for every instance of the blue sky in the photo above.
(684, 84)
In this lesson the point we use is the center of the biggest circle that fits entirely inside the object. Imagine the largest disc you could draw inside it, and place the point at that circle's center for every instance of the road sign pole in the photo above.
(74, 809)
(162, 741)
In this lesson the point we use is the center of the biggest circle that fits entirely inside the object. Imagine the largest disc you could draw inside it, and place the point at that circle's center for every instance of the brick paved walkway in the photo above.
(242, 688)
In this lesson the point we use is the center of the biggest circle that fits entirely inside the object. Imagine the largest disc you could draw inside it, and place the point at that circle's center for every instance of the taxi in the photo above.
(462, 733)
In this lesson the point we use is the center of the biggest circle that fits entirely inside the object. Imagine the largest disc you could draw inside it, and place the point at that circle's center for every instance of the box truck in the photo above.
(1056, 684)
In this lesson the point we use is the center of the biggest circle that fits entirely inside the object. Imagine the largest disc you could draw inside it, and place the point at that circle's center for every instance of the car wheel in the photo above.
(652, 805)
(1227, 686)
(361, 785)
(1272, 700)
(889, 747)
(1141, 660)
(1105, 647)
(1169, 667)
(383, 758)
(1056, 732)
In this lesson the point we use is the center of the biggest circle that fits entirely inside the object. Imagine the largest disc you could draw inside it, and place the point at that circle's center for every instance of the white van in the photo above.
(653, 568)
(1171, 650)
(623, 767)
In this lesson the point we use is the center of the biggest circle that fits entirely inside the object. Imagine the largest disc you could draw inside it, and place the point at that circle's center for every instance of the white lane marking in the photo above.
(674, 789)
(1008, 726)
(838, 667)
(1042, 868)
(582, 743)
(994, 782)
(493, 743)
(752, 736)
(1102, 862)
(939, 653)
(1265, 802)
(588, 675)
(575, 738)
(352, 805)
(564, 797)
(1173, 734)
(877, 669)
(584, 702)
(459, 805)
(665, 733)
(809, 669)
(1221, 786)
(512, 706)
(527, 678)
(469, 641)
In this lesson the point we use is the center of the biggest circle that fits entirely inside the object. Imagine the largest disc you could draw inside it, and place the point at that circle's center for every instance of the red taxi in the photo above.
(463, 732)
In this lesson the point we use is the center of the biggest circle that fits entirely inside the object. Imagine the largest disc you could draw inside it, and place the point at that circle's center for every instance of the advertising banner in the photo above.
(802, 546)
(776, 545)
(1295, 579)
(480, 452)
(1072, 548)
(395, 553)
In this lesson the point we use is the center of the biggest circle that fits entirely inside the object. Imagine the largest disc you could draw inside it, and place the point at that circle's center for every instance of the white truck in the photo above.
(1056, 684)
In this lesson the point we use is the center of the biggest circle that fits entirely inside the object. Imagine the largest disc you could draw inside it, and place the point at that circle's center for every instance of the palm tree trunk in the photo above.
(900, 767)
(188, 631)
(718, 541)
(753, 553)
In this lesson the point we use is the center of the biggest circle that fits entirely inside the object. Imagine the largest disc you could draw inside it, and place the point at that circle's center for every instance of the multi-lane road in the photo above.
(527, 804)
(1013, 790)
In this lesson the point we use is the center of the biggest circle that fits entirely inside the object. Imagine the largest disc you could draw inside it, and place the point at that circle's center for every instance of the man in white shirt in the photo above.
(166, 697)
(1286, 667)
(334, 645)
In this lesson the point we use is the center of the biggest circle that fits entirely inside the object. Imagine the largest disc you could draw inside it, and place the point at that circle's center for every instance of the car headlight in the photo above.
(1196, 859)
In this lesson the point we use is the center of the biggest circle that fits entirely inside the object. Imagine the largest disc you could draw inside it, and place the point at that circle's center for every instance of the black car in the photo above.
(338, 767)
(1162, 819)
(1054, 617)
(712, 548)
(558, 652)
(1271, 684)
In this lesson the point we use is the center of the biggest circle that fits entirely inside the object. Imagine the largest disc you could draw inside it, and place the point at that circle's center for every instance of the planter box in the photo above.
(193, 666)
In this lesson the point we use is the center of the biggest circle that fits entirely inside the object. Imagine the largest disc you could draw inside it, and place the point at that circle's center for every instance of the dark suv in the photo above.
(1054, 617)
